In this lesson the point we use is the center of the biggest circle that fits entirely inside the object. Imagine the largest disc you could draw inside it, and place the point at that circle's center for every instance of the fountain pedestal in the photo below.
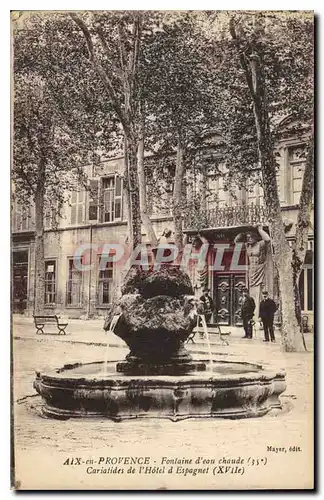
(232, 390)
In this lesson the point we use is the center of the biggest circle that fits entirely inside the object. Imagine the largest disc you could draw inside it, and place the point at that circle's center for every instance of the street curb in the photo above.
(109, 344)
(71, 341)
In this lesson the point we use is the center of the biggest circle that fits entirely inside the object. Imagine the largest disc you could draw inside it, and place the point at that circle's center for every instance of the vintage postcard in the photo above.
(162, 250)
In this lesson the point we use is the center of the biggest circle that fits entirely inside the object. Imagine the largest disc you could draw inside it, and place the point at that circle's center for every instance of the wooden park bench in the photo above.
(221, 334)
(41, 321)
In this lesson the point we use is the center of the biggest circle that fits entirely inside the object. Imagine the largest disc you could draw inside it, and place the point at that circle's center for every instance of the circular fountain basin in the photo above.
(225, 390)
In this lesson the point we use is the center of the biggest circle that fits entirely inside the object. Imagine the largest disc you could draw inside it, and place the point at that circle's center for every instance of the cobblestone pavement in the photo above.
(45, 443)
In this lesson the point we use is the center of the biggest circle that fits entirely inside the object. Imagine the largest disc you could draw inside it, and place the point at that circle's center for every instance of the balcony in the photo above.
(197, 219)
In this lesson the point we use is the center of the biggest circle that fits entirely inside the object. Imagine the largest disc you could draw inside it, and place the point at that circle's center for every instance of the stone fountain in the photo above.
(159, 378)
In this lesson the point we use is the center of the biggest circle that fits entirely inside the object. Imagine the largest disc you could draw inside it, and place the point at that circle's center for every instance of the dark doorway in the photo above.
(227, 296)
(20, 280)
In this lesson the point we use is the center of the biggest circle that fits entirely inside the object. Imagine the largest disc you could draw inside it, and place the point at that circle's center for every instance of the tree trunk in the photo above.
(305, 207)
(126, 194)
(134, 207)
(302, 227)
(142, 193)
(177, 196)
(39, 242)
(290, 332)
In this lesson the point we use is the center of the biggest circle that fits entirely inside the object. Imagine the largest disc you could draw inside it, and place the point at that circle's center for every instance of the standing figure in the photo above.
(257, 252)
(267, 311)
(247, 311)
(208, 303)
(167, 237)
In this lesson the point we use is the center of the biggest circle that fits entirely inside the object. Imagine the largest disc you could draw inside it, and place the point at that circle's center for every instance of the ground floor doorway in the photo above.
(227, 297)
(19, 280)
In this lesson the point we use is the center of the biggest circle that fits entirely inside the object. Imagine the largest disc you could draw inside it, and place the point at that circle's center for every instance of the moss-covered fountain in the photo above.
(159, 378)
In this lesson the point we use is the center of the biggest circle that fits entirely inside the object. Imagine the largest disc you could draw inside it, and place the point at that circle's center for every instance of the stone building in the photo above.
(98, 217)
(94, 217)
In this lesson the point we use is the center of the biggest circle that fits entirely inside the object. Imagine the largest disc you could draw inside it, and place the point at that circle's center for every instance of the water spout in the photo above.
(114, 322)
(111, 329)
(204, 324)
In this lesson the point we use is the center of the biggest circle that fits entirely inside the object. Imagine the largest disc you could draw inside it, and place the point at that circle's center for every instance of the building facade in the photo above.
(97, 217)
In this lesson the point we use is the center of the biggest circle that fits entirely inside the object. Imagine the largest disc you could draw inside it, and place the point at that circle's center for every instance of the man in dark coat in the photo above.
(267, 311)
(208, 305)
(247, 311)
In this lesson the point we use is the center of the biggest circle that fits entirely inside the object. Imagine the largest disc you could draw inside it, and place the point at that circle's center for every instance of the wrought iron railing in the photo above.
(239, 215)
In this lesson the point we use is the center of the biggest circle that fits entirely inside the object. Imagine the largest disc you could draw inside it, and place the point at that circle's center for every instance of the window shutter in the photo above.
(93, 200)
(25, 217)
(73, 214)
(54, 214)
(73, 207)
(17, 216)
(252, 195)
(77, 207)
(297, 165)
(81, 206)
(47, 219)
(80, 213)
(118, 197)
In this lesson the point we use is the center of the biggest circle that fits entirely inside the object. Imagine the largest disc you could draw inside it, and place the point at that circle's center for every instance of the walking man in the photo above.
(247, 311)
(267, 310)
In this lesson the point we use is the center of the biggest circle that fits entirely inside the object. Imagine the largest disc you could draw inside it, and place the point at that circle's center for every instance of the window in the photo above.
(77, 207)
(212, 185)
(105, 283)
(111, 199)
(50, 217)
(222, 194)
(22, 217)
(93, 200)
(50, 282)
(240, 197)
(297, 165)
(74, 285)
(255, 193)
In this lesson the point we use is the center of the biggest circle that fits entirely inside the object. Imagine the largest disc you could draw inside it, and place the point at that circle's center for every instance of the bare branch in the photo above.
(121, 46)
(138, 32)
(106, 50)
(100, 70)
(305, 205)
(241, 57)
